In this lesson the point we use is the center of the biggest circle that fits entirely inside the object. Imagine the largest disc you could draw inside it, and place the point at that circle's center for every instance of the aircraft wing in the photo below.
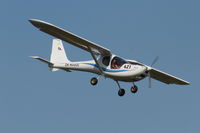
(135, 62)
(166, 78)
(70, 37)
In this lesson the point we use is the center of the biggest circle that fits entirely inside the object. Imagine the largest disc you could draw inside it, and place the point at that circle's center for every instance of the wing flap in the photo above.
(70, 37)
(166, 78)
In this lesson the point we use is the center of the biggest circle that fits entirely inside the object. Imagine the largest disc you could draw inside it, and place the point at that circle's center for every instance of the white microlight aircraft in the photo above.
(104, 64)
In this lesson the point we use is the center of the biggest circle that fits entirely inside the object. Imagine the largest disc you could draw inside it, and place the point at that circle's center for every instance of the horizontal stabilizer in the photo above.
(42, 60)
(49, 64)
(45, 61)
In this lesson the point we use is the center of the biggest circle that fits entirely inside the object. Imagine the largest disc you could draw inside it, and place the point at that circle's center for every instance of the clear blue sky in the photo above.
(35, 100)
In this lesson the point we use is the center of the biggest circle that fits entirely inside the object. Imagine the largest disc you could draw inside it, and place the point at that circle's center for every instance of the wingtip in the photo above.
(37, 23)
(34, 57)
(188, 83)
(33, 20)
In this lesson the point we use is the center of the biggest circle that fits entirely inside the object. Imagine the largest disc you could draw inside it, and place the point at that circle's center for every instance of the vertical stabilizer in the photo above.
(58, 54)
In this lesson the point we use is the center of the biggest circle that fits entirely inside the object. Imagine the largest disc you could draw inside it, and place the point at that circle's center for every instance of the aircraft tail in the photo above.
(58, 54)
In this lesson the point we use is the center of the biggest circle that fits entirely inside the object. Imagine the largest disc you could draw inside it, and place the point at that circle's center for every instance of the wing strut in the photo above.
(95, 59)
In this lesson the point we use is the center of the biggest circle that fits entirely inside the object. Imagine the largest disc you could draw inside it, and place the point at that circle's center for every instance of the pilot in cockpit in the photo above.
(114, 64)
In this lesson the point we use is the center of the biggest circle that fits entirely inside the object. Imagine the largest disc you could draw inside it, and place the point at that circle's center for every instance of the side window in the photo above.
(117, 62)
(106, 60)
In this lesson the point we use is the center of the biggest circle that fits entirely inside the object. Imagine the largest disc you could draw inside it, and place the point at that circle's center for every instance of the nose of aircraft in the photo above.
(143, 71)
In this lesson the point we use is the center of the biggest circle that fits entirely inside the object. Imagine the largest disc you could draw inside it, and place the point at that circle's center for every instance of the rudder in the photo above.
(58, 54)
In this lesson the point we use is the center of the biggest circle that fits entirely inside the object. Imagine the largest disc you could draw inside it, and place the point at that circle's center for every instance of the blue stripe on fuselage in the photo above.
(105, 69)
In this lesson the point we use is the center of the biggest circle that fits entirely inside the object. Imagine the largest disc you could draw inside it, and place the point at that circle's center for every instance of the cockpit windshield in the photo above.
(117, 62)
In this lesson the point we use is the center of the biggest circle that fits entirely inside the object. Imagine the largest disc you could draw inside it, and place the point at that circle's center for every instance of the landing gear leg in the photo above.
(121, 91)
(94, 81)
(134, 88)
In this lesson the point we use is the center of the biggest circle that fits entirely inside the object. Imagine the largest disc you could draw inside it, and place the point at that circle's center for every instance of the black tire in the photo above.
(121, 92)
(134, 89)
(93, 81)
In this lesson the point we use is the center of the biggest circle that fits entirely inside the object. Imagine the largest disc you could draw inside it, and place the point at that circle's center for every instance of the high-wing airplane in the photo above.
(104, 62)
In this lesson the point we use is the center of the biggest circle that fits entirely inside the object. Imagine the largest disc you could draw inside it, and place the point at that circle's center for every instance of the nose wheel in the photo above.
(94, 81)
(134, 89)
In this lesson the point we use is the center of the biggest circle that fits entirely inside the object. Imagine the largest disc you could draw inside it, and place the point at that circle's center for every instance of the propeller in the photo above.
(155, 60)
(149, 75)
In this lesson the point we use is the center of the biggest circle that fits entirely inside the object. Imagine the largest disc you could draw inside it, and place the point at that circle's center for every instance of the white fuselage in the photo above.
(126, 72)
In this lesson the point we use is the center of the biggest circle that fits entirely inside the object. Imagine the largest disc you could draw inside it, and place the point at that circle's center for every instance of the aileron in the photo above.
(166, 78)
(70, 37)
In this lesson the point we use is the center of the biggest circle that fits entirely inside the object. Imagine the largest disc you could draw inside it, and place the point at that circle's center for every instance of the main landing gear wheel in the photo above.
(93, 81)
(121, 92)
(134, 89)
